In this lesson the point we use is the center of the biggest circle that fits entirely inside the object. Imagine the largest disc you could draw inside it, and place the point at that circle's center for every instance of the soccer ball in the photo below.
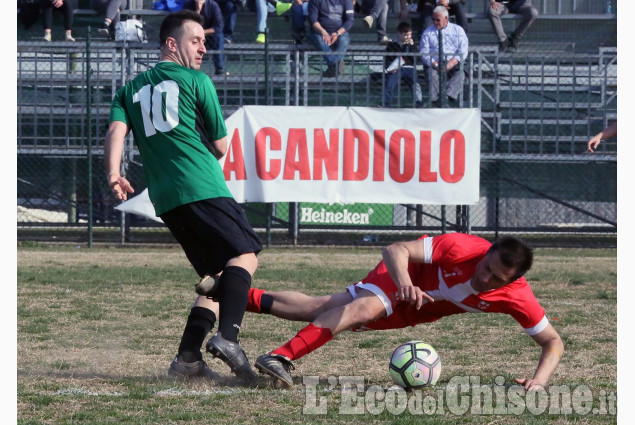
(415, 364)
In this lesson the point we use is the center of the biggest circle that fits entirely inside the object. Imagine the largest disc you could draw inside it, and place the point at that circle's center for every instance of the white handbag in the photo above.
(130, 30)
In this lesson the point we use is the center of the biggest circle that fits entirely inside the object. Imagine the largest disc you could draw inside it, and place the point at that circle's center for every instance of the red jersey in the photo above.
(445, 275)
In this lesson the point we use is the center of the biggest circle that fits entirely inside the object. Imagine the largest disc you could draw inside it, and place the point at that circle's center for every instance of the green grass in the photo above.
(98, 328)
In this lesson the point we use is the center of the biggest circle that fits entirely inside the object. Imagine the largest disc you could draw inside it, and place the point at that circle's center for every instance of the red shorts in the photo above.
(398, 314)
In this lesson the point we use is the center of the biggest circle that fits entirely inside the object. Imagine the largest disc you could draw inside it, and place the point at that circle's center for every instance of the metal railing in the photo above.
(538, 112)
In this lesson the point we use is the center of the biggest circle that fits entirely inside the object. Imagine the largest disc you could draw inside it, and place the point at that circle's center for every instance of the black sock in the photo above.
(234, 289)
(199, 323)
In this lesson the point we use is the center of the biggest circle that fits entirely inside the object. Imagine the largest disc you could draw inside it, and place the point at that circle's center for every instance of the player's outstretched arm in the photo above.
(552, 350)
(607, 133)
(113, 148)
(396, 257)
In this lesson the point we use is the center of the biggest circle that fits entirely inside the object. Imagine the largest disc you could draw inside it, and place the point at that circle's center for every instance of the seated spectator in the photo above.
(213, 29)
(402, 68)
(299, 14)
(110, 10)
(67, 7)
(425, 7)
(497, 8)
(229, 11)
(331, 21)
(262, 10)
(377, 11)
(455, 45)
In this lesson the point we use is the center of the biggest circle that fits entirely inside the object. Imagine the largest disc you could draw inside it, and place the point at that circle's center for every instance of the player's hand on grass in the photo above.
(530, 384)
(413, 295)
(594, 142)
(121, 188)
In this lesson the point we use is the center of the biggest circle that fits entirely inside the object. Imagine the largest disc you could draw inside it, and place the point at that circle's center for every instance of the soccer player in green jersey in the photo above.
(175, 117)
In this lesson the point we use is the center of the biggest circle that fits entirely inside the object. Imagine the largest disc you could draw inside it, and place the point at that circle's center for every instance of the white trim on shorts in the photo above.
(385, 300)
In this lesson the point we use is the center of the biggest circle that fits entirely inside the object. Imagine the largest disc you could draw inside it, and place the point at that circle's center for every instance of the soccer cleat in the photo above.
(47, 36)
(384, 40)
(261, 38)
(69, 37)
(199, 369)
(281, 7)
(368, 20)
(277, 366)
(232, 354)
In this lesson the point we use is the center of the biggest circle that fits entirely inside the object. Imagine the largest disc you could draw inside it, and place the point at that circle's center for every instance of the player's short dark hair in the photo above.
(404, 27)
(172, 24)
(514, 253)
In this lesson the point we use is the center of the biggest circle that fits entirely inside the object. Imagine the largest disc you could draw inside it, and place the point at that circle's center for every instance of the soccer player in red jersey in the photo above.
(416, 282)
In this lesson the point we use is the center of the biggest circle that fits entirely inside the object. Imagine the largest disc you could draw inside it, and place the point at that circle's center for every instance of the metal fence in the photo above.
(538, 112)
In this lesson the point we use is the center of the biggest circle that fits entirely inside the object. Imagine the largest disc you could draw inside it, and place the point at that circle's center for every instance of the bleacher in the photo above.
(562, 25)
(547, 98)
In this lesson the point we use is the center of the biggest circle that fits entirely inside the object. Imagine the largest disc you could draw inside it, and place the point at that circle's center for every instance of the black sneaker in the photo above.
(512, 43)
(232, 354)
(104, 30)
(330, 72)
(207, 286)
(199, 369)
(277, 366)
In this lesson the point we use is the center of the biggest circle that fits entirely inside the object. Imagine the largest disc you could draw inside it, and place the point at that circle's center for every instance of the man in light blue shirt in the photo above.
(455, 47)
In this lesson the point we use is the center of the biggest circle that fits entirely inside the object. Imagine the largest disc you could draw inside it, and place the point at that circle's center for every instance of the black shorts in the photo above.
(211, 232)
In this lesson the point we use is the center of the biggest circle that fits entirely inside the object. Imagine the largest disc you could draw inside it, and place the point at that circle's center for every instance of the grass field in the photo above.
(98, 328)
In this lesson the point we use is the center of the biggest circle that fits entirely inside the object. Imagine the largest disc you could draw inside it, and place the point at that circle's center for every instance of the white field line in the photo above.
(167, 392)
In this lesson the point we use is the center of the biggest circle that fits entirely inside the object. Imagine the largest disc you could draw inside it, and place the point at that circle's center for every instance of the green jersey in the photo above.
(175, 115)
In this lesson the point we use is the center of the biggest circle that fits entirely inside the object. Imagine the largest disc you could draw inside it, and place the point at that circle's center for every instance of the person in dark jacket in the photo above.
(402, 68)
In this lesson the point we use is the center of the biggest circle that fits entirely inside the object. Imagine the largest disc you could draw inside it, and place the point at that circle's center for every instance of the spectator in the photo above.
(110, 10)
(331, 21)
(377, 11)
(425, 7)
(607, 133)
(213, 29)
(67, 7)
(497, 8)
(229, 11)
(455, 46)
(299, 13)
(261, 7)
(402, 68)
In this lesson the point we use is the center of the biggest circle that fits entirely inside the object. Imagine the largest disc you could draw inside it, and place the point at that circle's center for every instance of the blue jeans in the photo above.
(409, 76)
(261, 7)
(339, 47)
(228, 9)
(298, 16)
(378, 9)
(216, 41)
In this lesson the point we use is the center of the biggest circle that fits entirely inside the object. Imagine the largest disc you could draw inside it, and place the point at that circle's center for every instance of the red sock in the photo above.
(307, 340)
(253, 303)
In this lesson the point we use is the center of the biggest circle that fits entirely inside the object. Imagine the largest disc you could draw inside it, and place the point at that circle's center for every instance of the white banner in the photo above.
(340, 154)
(349, 155)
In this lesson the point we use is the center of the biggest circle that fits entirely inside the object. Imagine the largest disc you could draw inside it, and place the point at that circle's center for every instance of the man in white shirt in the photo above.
(455, 45)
